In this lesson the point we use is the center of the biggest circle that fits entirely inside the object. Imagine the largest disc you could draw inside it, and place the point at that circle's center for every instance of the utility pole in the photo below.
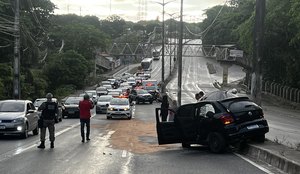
(256, 84)
(16, 90)
(163, 46)
(179, 55)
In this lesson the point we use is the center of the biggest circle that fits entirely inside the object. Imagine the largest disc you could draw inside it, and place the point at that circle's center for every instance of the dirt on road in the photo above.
(136, 136)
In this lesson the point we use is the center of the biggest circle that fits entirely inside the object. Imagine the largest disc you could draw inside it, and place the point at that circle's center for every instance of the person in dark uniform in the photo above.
(164, 108)
(49, 111)
(85, 106)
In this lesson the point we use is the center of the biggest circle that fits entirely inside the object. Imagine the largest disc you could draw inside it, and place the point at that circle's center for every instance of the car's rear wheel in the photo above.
(185, 145)
(35, 131)
(259, 138)
(216, 142)
(151, 102)
(24, 134)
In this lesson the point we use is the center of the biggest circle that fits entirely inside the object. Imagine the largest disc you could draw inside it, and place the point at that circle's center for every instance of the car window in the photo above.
(202, 110)
(31, 106)
(12, 107)
(119, 102)
(104, 99)
(185, 111)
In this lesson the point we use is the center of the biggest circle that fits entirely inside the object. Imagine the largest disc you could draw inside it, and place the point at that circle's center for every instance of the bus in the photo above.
(156, 55)
(146, 64)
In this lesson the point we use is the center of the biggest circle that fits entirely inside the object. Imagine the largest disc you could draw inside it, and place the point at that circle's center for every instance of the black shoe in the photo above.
(82, 140)
(88, 139)
(52, 145)
(42, 145)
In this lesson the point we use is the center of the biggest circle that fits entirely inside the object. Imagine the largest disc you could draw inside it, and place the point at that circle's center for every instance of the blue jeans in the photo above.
(87, 123)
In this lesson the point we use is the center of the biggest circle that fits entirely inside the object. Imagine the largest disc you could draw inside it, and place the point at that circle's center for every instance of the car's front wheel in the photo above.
(24, 134)
(216, 142)
(108, 117)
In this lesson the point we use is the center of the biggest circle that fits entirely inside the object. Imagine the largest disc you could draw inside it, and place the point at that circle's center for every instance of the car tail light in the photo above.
(227, 119)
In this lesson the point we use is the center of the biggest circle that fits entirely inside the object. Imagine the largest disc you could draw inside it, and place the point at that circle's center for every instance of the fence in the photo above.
(282, 91)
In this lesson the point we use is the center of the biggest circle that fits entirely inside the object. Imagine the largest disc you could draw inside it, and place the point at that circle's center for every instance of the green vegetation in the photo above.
(57, 51)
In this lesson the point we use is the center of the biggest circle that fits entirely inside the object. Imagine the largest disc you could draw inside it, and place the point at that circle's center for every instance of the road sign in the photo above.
(236, 53)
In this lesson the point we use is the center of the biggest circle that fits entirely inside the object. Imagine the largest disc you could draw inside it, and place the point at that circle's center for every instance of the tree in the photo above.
(65, 69)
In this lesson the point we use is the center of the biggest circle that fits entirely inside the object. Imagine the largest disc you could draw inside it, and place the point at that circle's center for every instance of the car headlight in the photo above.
(126, 109)
(110, 108)
(19, 120)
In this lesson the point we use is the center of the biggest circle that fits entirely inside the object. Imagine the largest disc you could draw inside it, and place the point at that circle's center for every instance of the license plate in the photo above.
(252, 127)
(118, 112)
(2, 127)
(71, 112)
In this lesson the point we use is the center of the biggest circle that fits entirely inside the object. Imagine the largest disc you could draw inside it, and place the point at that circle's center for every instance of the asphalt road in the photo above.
(101, 155)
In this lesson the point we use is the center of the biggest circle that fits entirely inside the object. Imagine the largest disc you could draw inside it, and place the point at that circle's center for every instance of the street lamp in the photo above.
(180, 56)
(163, 43)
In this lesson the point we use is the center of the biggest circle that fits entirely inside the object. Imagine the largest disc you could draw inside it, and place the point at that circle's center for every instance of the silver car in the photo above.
(101, 106)
(119, 108)
(18, 117)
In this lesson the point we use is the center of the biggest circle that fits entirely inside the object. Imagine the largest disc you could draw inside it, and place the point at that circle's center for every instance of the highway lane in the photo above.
(118, 147)
(284, 123)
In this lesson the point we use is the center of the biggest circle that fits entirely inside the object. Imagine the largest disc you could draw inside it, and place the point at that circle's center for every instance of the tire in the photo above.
(108, 117)
(24, 135)
(216, 142)
(151, 102)
(137, 101)
(185, 145)
(35, 131)
(259, 138)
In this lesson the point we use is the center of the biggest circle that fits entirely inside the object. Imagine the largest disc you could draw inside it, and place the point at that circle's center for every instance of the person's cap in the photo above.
(49, 96)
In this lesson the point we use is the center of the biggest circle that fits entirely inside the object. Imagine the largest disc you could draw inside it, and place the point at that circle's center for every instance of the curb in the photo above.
(276, 155)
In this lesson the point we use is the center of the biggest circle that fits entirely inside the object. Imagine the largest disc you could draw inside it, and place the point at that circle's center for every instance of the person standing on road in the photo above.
(173, 109)
(85, 106)
(48, 116)
(164, 108)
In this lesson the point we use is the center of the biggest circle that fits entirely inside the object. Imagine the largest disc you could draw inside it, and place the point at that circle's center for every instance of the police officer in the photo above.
(49, 114)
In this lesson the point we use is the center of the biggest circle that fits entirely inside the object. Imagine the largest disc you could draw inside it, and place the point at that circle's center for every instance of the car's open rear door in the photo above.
(167, 132)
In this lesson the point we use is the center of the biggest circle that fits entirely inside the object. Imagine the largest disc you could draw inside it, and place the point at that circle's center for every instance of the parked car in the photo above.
(71, 107)
(216, 123)
(101, 106)
(119, 108)
(18, 117)
(141, 96)
(37, 103)
(101, 90)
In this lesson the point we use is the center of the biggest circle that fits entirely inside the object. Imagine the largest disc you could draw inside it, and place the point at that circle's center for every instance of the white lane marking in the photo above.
(125, 169)
(124, 154)
(254, 164)
(24, 148)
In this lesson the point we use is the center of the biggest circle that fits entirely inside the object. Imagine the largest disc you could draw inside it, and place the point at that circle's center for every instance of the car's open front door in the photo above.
(167, 132)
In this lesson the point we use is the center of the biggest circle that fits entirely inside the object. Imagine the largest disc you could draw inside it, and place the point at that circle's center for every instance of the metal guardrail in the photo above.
(282, 91)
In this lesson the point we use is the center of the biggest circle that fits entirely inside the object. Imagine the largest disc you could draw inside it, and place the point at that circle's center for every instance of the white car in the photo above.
(131, 81)
(103, 101)
(119, 108)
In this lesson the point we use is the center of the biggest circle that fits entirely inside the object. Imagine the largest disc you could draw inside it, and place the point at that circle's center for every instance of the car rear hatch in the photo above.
(243, 109)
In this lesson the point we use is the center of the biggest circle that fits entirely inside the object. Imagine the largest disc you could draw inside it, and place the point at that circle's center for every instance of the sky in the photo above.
(135, 10)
